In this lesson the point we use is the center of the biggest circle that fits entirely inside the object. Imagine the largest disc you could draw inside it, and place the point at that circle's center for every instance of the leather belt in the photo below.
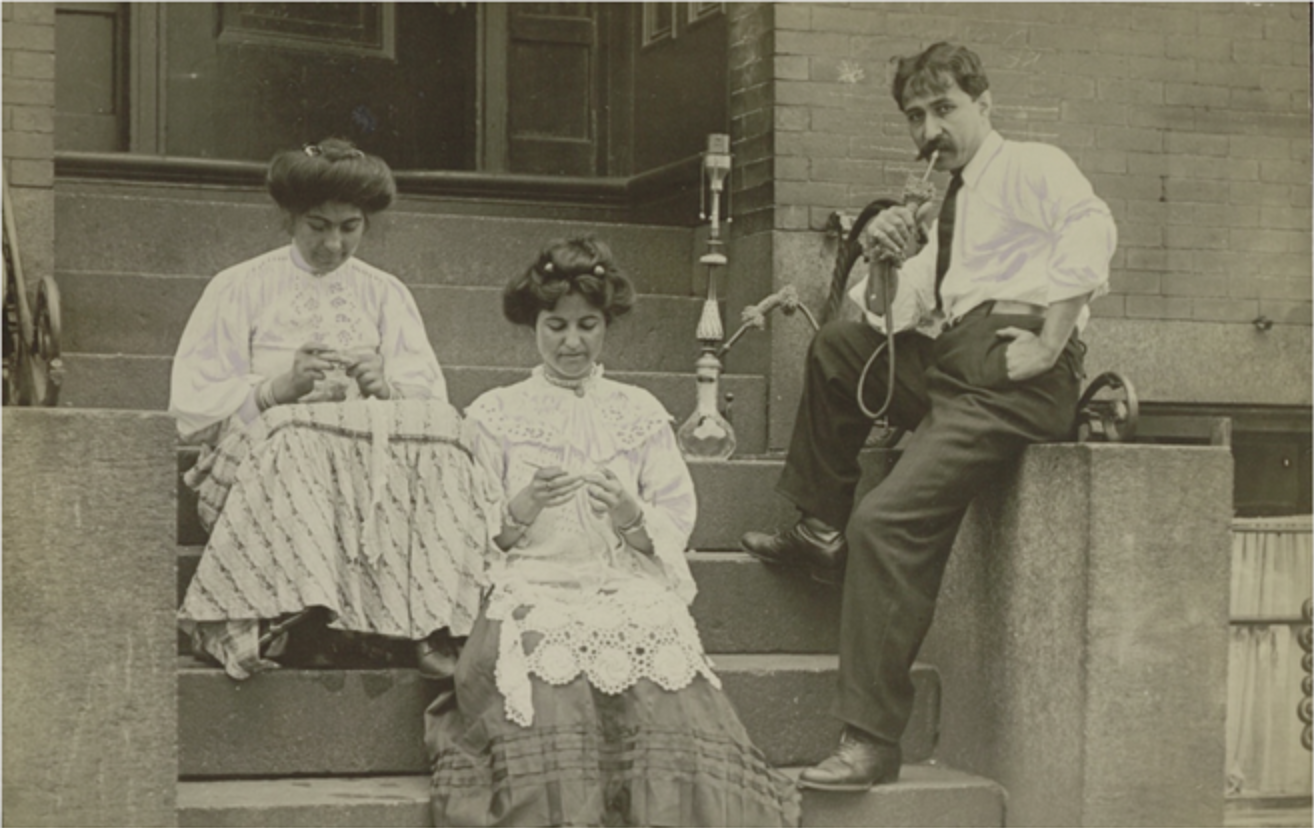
(995, 307)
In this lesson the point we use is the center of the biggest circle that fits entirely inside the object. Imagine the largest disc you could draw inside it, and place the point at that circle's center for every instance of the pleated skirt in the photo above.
(645, 756)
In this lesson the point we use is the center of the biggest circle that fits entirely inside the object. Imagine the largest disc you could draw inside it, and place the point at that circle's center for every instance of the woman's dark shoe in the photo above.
(860, 761)
(436, 656)
(799, 546)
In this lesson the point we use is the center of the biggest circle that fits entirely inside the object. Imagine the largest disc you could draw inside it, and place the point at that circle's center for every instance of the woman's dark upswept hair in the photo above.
(332, 170)
(580, 265)
(924, 73)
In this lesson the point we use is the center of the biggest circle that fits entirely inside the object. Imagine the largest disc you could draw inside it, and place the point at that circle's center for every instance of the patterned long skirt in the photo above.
(366, 508)
(645, 756)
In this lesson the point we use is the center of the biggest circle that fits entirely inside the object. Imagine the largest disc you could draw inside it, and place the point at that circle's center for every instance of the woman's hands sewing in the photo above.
(367, 370)
(308, 365)
(313, 360)
(608, 496)
(550, 486)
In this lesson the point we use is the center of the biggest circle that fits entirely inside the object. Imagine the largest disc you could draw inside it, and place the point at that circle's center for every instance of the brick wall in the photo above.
(751, 57)
(29, 130)
(1191, 120)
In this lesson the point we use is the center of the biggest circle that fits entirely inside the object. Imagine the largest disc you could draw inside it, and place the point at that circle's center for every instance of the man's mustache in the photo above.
(937, 144)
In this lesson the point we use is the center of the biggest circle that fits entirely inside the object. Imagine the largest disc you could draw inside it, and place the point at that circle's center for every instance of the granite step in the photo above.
(123, 312)
(198, 231)
(354, 722)
(138, 383)
(926, 796)
(734, 496)
(741, 607)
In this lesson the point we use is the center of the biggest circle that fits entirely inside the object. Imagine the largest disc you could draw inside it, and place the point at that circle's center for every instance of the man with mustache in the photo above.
(987, 316)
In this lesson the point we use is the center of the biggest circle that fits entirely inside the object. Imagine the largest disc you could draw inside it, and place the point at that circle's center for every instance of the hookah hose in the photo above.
(916, 193)
(887, 277)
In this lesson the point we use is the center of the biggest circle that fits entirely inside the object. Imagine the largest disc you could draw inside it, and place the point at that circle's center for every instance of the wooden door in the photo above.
(247, 79)
(90, 86)
(551, 76)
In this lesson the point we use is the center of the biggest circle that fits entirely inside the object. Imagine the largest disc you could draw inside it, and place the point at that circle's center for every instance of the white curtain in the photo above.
(1271, 578)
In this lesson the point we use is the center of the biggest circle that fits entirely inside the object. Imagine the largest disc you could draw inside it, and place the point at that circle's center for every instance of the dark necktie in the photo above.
(945, 232)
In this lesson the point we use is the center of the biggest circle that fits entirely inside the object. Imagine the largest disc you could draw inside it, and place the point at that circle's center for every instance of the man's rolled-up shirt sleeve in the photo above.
(1085, 235)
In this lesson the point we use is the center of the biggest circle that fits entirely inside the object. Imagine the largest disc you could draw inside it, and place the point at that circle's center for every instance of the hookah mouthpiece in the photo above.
(930, 148)
(919, 191)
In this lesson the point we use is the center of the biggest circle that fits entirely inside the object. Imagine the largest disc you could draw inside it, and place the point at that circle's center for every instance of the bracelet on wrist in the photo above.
(265, 399)
(510, 521)
(633, 526)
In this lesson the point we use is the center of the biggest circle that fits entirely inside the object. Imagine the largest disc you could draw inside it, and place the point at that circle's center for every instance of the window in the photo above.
(662, 21)
(702, 11)
(352, 28)
(658, 22)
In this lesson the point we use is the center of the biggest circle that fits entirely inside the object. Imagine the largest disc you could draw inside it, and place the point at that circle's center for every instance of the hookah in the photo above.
(705, 420)
(707, 434)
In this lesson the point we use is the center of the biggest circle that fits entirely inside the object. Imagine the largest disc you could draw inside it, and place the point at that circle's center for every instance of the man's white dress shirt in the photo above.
(1028, 228)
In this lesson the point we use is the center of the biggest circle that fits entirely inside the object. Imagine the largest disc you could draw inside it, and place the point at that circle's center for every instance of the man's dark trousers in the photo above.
(971, 422)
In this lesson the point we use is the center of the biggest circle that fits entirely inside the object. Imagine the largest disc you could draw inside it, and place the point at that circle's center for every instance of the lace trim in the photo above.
(612, 638)
(537, 412)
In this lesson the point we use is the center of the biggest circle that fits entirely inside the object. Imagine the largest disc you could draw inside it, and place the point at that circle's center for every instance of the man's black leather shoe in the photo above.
(860, 761)
(799, 546)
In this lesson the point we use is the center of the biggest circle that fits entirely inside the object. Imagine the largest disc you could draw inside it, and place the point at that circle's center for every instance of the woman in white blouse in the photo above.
(583, 696)
(331, 474)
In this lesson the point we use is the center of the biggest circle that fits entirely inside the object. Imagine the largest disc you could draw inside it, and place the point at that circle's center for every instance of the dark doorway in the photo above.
(247, 79)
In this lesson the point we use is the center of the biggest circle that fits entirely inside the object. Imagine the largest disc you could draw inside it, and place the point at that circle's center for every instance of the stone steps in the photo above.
(122, 312)
(741, 607)
(345, 747)
(198, 231)
(926, 796)
(734, 496)
(358, 722)
(135, 382)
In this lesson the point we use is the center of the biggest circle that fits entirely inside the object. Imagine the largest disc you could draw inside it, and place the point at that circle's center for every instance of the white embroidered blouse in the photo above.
(253, 317)
(571, 592)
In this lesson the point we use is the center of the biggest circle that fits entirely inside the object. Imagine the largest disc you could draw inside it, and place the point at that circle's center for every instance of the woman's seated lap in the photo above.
(304, 370)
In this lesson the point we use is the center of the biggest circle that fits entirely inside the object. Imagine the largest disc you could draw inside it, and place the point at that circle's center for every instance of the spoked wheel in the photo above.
(47, 366)
(11, 315)
(1108, 411)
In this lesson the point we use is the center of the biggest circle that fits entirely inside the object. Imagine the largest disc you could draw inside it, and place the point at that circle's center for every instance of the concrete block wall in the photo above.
(1082, 636)
(90, 680)
(29, 130)
(1191, 120)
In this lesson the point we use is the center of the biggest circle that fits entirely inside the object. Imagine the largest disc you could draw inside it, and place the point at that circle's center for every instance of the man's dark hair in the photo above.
(926, 73)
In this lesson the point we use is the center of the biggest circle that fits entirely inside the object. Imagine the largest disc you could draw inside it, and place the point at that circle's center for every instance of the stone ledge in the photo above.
(1082, 635)
(926, 796)
(274, 723)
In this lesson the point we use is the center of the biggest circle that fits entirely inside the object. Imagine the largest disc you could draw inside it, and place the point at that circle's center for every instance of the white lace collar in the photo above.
(608, 417)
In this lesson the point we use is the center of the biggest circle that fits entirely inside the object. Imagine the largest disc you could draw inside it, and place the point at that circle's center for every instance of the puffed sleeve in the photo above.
(211, 379)
(670, 508)
(408, 358)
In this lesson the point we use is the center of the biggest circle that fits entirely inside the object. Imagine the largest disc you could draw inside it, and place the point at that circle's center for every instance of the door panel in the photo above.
(551, 88)
(89, 86)
(247, 79)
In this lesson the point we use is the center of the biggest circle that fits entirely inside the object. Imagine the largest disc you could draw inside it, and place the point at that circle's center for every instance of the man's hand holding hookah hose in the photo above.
(896, 233)
(893, 235)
